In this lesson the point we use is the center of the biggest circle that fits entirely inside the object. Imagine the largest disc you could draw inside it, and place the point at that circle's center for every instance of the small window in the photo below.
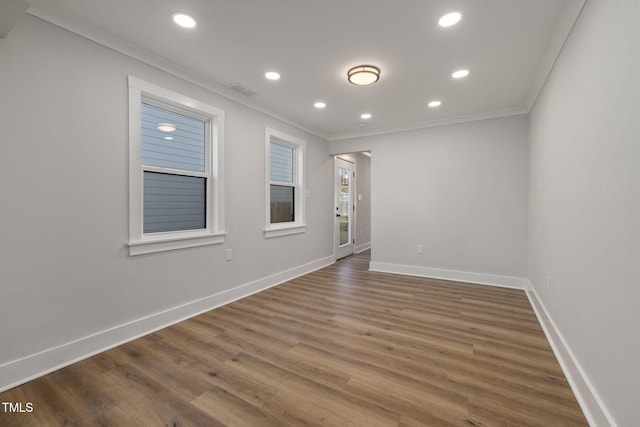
(176, 180)
(284, 195)
(283, 185)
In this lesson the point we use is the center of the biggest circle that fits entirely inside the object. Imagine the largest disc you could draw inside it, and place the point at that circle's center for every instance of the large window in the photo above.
(175, 166)
(285, 184)
(173, 162)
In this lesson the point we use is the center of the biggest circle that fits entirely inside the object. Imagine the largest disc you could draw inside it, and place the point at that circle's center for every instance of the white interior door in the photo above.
(344, 208)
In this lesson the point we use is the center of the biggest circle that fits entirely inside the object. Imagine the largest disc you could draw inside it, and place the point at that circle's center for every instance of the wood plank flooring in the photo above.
(338, 347)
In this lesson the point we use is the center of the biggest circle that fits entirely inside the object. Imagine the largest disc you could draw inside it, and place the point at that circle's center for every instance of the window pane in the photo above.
(173, 202)
(282, 204)
(345, 206)
(181, 148)
(281, 163)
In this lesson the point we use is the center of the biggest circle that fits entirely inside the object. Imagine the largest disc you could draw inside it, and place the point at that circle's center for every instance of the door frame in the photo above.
(347, 249)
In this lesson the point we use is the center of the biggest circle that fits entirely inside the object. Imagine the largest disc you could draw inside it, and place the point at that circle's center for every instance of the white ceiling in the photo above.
(509, 46)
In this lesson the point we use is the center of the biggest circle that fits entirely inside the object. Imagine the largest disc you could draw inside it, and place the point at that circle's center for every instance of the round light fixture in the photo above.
(185, 21)
(460, 74)
(319, 105)
(272, 75)
(363, 75)
(166, 127)
(434, 104)
(168, 138)
(450, 19)
(365, 116)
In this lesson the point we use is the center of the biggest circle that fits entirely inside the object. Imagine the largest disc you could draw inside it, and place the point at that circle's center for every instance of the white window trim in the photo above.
(214, 233)
(299, 225)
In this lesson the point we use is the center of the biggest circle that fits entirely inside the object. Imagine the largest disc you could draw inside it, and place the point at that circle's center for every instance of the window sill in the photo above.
(284, 230)
(169, 243)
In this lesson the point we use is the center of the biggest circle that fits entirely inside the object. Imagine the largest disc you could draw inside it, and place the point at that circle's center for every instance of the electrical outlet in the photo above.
(420, 249)
(229, 254)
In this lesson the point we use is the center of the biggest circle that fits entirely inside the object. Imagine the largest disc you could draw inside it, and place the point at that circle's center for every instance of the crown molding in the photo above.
(76, 25)
(567, 19)
(10, 13)
(514, 111)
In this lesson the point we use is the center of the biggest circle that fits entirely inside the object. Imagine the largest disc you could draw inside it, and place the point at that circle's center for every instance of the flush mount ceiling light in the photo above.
(363, 75)
(320, 104)
(450, 19)
(185, 21)
(365, 116)
(272, 75)
(434, 104)
(166, 127)
(460, 74)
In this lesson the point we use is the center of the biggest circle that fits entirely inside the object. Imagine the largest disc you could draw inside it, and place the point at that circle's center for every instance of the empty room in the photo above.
(329, 213)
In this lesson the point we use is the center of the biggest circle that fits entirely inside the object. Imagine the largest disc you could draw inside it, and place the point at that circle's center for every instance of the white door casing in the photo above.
(344, 208)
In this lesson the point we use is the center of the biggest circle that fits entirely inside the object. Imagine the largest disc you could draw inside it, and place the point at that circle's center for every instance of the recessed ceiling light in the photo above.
(166, 127)
(362, 124)
(185, 21)
(460, 74)
(319, 105)
(363, 75)
(272, 75)
(450, 19)
(168, 138)
(365, 116)
(434, 104)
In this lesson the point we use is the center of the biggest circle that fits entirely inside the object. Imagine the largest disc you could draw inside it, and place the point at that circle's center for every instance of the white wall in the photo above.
(463, 191)
(459, 190)
(585, 201)
(64, 269)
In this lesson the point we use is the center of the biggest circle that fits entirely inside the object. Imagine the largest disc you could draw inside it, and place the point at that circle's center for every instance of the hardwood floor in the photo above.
(338, 347)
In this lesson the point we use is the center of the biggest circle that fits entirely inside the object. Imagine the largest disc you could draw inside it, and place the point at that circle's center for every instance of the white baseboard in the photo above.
(457, 276)
(363, 247)
(594, 409)
(25, 369)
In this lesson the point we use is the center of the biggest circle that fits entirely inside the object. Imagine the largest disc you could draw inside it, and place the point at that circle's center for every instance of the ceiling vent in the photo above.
(239, 88)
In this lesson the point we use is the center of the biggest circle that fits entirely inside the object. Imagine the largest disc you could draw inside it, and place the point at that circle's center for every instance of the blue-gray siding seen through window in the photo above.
(174, 202)
(182, 148)
(281, 163)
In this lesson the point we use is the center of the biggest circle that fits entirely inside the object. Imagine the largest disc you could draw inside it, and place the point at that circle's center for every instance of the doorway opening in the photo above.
(352, 204)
